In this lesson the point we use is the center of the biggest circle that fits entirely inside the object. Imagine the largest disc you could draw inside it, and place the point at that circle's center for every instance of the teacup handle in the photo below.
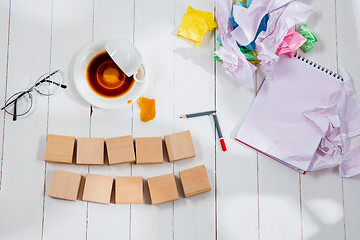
(139, 76)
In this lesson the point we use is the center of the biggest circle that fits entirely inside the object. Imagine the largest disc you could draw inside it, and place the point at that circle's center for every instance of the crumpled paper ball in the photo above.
(195, 24)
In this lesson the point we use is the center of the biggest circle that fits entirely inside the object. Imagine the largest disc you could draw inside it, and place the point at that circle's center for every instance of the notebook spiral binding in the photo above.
(311, 63)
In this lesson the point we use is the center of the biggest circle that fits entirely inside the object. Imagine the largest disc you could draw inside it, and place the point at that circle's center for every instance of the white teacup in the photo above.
(134, 65)
(127, 57)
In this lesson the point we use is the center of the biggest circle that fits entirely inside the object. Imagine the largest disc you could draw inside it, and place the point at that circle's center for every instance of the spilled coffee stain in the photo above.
(147, 109)
(130, 101)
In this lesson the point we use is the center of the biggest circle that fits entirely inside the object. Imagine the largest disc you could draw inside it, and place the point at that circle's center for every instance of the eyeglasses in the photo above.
(21, 102)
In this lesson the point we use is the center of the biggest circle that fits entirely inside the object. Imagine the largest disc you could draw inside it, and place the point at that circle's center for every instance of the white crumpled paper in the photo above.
(249, 19)
(283, 14)
(234, 61)
(328, 153)
(280, 21)
(338, 123)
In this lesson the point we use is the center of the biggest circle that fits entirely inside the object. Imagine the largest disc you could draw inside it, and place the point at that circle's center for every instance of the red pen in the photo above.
(217, 125)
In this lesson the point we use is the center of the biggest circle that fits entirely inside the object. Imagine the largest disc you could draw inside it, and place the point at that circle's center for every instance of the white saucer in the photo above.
(80, 66)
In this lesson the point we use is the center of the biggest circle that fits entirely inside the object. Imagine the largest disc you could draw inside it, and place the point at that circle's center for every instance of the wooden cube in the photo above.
(128, 190)
(90, 151)
(65, 185)
(59, 149)
(149, 150)
(120, 150)
(179, 146)
(195, 181)
(97, 188)
(163, 189)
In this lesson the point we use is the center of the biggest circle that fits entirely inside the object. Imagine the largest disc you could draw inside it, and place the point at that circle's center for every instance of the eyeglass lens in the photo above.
(22, 104)
(49, 83)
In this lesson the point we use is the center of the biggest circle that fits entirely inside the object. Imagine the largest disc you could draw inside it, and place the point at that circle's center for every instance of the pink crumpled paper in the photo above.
(291, 42)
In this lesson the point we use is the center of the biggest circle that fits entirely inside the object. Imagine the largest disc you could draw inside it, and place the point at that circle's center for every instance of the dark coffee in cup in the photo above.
(106, 79)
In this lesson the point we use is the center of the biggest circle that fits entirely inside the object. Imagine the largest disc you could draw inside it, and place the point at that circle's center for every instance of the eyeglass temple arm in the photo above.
(15, 111)
(8, 104)
(49, 81)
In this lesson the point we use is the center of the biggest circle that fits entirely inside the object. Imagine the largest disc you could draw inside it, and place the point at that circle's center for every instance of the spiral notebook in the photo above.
(275, 123)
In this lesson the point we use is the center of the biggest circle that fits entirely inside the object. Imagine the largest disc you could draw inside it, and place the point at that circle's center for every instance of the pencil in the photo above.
(198, 114)
(221, 138)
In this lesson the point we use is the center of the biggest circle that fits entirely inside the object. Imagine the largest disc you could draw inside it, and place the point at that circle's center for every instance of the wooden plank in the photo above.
(351, 207)
(322, 22)
(236, 169)
(232, 203)
(154, 37)
(348, 47)
(23, 168)
(112, 19)
(321, 191)
(68, 113)
(194, 92)
(322, 205)
(279, 201)
(348, 32)
(4, 18)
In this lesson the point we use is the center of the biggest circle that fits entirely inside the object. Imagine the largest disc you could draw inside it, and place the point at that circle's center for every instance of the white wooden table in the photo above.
(253, 197)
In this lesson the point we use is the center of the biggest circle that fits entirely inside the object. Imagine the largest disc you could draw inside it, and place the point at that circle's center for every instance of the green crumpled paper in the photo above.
(195, 24)
(310, 37)
(250, 55)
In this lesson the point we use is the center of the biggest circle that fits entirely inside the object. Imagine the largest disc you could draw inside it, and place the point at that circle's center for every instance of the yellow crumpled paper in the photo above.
(195, 24)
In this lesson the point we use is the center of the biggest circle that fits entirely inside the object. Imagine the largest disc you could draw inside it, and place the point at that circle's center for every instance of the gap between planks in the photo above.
(47, 123)
(5, 91)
